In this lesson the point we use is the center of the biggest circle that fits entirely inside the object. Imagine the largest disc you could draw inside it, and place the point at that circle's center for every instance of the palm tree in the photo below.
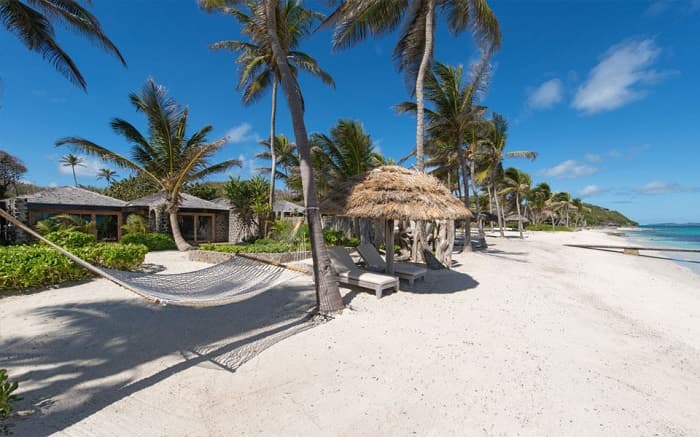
(107, 174)
(258, 67)
(286, 160)
(31, 22)
(348, 151)
(327, 293)
(72, 161)
(454, 114)
(537, 202)
(355, 20)
(493, 149)
(167, 156)
(518, 184)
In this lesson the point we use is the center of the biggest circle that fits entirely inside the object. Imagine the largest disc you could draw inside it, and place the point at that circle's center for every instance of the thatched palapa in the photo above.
(393, 192)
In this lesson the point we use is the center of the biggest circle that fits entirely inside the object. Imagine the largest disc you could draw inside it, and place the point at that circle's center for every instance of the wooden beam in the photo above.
(389, 246)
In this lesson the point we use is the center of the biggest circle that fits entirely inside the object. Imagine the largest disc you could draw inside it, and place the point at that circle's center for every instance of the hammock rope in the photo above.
(223, 283)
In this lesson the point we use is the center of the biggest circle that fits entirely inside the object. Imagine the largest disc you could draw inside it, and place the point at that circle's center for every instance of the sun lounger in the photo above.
(374, 261)
(348, 273)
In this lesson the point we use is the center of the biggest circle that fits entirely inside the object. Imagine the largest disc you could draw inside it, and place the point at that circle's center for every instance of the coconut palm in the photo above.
(107, 174)
(258, 70)
(492, 149)
(327, 293)
(72, 161)
(32, 21)
(347, 151)
(286, 160)
(355, 20)
(166, 155)
(454, 113)
(537, 202)
(517, 184)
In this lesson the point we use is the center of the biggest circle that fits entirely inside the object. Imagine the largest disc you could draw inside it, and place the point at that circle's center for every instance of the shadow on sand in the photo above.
(98, 340)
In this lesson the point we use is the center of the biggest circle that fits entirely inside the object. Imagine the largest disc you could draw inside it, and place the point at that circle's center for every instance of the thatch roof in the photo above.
(397, 193)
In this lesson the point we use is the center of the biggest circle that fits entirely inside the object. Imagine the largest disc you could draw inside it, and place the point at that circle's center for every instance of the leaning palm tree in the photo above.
(32, 21)
(258, 69)
(493, 152)
(72, 161)
(327, 293)
(517, 184)
(166, 155)
(107, 174)
(354, 20)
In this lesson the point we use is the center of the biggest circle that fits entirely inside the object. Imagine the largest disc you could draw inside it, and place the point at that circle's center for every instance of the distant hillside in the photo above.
(599, 216)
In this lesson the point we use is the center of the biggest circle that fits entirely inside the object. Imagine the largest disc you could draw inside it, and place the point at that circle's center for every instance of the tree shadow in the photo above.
(99, 344)
(441, 282)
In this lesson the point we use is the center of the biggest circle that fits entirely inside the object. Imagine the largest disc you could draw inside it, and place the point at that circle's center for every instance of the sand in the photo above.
(528, 338)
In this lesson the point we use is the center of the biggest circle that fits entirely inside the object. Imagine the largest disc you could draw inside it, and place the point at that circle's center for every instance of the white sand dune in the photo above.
(527, 338)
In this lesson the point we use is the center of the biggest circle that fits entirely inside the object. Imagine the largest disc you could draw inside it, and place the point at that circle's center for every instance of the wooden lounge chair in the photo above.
(348, 273)
(374, 261)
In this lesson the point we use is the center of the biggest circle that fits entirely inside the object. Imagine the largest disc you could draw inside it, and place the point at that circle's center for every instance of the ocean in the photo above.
(685, 236)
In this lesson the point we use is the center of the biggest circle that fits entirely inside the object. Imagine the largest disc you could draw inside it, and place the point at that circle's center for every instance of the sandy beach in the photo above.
(527, 338)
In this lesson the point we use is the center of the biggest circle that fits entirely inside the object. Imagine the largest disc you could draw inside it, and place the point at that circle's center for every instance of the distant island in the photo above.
(598, 216)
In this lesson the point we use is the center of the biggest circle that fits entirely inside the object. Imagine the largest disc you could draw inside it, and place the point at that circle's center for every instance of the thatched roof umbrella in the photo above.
(394, 193)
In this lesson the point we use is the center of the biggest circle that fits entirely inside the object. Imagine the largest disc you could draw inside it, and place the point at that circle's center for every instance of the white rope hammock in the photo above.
(227, 282)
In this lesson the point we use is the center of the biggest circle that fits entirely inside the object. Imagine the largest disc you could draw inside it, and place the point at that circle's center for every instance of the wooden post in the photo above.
(631, 251)
(389, 246)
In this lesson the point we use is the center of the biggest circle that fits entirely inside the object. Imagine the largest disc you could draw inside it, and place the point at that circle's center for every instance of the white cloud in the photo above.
(591, 190)
(243, 133)
(569, 169)
(546, 95)
(659, 187)
(592, 157)
(619, 77)
(89, 167)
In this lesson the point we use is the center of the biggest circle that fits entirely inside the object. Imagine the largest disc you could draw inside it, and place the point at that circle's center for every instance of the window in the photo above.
(196, 227)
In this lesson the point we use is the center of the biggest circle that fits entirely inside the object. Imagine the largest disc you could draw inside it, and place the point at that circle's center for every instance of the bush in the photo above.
(260, 246)
(7, 399)
(70, 239)
(546, 227)
(153, 241)
(135, 224)
(39, 265)
(337, 238)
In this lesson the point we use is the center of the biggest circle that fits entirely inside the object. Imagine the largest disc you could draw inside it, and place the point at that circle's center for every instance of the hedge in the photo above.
(546, 227)
(154, 241)
(260, 246)
(37, 265)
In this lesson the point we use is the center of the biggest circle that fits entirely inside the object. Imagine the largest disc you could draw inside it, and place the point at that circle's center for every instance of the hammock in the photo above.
(227, 282)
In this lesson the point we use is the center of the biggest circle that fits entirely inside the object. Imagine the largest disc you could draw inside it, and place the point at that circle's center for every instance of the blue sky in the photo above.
(606, 92)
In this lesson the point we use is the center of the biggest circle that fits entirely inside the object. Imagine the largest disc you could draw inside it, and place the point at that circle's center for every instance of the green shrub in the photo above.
(7, 399)
(546, 227)
(153, 241)
(70, 238)
(39, 265)
(260, 246)
(135, 224)
(337, 238)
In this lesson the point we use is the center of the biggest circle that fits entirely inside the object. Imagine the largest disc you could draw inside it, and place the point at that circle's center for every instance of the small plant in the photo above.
(70, 238)
(154, 241)
(135, 224)
(7, 399)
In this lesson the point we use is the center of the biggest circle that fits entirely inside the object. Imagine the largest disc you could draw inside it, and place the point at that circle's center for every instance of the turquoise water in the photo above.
(671, 236)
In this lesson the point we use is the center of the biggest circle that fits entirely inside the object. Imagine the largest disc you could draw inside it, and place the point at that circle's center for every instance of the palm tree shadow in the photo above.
(100, 343)
(441, 282)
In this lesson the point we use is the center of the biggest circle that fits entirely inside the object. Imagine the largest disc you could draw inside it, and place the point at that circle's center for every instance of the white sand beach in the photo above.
(527, 338)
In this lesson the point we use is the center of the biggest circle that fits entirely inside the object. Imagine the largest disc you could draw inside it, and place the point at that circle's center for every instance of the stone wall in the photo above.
(19, 209)
(221, 233)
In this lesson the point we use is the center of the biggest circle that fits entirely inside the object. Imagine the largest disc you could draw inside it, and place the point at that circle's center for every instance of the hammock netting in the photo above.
(219, 284)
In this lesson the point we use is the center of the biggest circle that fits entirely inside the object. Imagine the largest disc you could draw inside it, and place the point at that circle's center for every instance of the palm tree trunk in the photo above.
(465, 180)
(418, 242)
(273, 153)
(75, 179)
(477, 206)
(328, 298)
(180, 242)
(420, 78)
(498, 211)
(488, 189)
(520, 219)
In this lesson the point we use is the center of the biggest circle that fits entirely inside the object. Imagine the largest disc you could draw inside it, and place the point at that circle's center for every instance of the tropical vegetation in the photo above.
(167, 156)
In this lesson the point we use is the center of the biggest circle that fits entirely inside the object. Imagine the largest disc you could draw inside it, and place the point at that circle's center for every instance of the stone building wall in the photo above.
(19, 209)
(221, 231)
